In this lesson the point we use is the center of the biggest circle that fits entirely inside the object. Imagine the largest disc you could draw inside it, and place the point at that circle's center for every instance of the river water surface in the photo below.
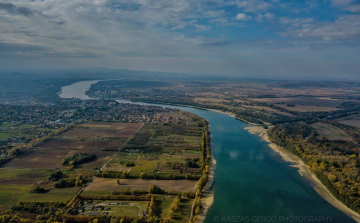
(252, 182)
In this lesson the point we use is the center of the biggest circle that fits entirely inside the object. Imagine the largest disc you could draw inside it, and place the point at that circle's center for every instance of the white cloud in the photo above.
(219, 20)
(242, 17)
(202, 28)
(341, 2)
(252, 5)
(297, 22)
(353, 8)
(158, 35)
(346, 27)
(267, 16)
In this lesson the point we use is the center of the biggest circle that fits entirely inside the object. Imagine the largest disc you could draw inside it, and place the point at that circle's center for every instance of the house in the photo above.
(113, 203)
(89, 208)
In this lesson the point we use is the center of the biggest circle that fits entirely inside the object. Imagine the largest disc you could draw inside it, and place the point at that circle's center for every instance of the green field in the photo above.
(13, 194)
(143, 165)
(28, 131)
(164, 202)
(124, 211)
(24, 173)
(183, 214)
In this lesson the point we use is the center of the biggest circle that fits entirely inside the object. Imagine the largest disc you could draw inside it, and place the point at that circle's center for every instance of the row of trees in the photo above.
(154, 176)
(77, 159)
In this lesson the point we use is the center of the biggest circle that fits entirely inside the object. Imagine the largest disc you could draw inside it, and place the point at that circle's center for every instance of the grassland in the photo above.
(330, 132)
(108, 184)
(182, 214)
(352, 122)
(303, 104)
(12, 194)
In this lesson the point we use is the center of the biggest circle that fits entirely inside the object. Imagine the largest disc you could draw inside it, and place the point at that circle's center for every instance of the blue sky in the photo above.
(247, 38)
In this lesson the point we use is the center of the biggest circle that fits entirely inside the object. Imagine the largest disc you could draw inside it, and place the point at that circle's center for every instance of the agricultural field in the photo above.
(15, 185)
(330, 132)
(303, 104)
(351, 122)
(52, 158)
(108, 184)
(159, 148)
(101, 139)
(166, 155)
(11, 194)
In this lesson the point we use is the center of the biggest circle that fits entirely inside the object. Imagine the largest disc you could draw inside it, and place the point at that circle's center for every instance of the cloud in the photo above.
(13, 9)
(345, 28)
(341, 2)
(267, 16)
(219, 20)
(353, 8)
(202, 28)
(348, 5)
(251, 5)
(242, 17)
(202, 36)
(297, 22)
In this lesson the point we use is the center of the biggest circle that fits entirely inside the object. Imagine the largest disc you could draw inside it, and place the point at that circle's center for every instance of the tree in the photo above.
(171, 214)
(198, 210)
(118, 181)
(332, 177)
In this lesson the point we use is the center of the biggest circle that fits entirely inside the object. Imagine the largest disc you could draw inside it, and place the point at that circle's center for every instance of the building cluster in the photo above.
(141, 95)
(73, 111)
(42, 120)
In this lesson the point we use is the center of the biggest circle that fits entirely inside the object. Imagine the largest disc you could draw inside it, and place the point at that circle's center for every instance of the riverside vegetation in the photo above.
(297, 113)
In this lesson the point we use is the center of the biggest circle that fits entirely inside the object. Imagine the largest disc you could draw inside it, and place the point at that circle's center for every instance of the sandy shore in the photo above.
(208, 196)
(225, 113)
(305, 171)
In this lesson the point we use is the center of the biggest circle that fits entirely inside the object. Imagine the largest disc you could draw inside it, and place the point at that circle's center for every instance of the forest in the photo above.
(336, 163)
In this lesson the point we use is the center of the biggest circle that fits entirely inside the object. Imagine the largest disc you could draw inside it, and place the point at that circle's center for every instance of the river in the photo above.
(252, 182)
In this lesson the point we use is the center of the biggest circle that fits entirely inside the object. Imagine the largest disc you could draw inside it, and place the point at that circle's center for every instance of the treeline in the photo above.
(335, 163)
(79, 181)
(38, 207)
(152, 190)
(115, 197)
(77, 159)
(147, 176)
(205, 167)
(260, 116)
(102, 219)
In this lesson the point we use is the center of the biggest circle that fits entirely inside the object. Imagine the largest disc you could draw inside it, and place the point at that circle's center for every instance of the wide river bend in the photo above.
(252, 182)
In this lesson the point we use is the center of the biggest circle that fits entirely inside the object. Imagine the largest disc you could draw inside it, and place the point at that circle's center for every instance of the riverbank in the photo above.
(304, 171)
(208, 195)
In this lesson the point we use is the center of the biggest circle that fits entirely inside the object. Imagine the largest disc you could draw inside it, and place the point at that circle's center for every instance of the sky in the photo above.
(245, 38)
